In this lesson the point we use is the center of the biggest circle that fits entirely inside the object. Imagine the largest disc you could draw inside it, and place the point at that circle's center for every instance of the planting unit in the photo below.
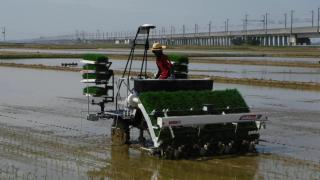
(96, 70)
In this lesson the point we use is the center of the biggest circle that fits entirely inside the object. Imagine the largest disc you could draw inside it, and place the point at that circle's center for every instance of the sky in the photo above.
(27, 19)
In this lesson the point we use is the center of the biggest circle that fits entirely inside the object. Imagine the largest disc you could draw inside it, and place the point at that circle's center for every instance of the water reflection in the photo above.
(126, 163)
(140, 166)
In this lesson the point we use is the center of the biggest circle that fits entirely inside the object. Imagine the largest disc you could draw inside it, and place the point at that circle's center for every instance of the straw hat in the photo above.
(157, 47)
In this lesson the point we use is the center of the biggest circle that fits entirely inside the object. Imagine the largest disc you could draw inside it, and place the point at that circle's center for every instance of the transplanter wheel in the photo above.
(120, 132)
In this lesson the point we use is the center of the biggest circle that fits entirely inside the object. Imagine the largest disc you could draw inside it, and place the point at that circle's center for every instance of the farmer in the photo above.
(162, 61)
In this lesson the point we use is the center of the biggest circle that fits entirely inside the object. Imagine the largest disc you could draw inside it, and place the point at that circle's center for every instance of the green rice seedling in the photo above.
(95, 67)
(96, 57)
(191, 102)
(98, 76)
(180, 65)
(178, 58)
(95, 90)
(180, 68)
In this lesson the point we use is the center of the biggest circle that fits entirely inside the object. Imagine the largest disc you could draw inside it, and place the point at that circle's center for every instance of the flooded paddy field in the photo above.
(273, 59)
(293, 74)
(43, 135)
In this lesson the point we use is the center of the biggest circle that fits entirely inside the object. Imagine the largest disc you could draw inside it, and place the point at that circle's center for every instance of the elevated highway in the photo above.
(266, 37)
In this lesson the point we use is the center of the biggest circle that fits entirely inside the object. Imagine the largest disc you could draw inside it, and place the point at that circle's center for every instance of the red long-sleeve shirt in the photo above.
(164, 66)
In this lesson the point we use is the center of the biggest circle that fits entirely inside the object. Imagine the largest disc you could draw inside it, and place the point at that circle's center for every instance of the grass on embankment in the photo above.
(246, 81)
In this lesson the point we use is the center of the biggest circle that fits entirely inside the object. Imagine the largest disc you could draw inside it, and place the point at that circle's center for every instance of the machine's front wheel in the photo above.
(120, 132)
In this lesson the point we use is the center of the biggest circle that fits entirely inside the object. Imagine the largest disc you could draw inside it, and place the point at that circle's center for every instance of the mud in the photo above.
(43, 135)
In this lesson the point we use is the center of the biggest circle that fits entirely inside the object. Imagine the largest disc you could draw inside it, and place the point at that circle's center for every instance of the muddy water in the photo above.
(43, 136)
(295, 74)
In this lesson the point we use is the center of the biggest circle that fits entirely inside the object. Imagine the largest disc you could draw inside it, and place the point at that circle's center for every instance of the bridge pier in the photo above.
(274, 40)
(293, 40)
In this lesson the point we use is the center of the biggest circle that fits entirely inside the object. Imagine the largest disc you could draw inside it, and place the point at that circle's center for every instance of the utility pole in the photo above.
(77, 35)
(163, 31)
(318, 20)
(227, 25)
(195, 29)
(245, 26)
(4, 33)
(98, 34)
(184, 30)
(245, 23)
(285, 20)
(210, 28)
(266, 21)
(312, 17)
(291, 29)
